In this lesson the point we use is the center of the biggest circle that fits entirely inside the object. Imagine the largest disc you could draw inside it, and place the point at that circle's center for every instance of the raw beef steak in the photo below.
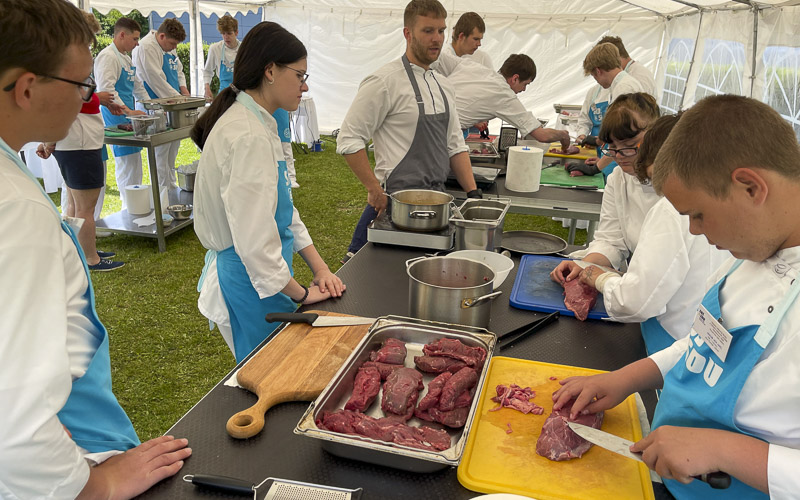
(558, 442)
(579, 298)
(366, 386)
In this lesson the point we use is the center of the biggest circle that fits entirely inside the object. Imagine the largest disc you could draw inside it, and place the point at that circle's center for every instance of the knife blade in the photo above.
(315, 320)
(580, 188)
(621, 446)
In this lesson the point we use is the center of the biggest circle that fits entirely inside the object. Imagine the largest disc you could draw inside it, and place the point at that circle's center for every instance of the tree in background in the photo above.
(107, 21)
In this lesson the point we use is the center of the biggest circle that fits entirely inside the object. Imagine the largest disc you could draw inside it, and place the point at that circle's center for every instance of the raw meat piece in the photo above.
(579, 298)
(509, 430)
(400, 392)
(453, 348)
(464, 400)
(366, 386)
(464, 380)
(438, 364)
(392, 351)
(572, 150)
(431, 398)
(128, 127)
(454, 418)
(383, 429)
(576, 173)
(385, 369)
(558, 442)
(517, 398)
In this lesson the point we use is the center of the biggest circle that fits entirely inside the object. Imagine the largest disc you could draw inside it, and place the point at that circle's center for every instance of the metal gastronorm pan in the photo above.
(532, 242)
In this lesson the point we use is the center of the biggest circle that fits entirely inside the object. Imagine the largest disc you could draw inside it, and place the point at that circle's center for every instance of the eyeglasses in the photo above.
(624, 152)
(86, 87)
(303, 75)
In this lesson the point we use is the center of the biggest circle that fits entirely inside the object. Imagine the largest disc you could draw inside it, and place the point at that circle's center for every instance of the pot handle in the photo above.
(411, 261)
(422, 214)
(467, 303)
(456, 211)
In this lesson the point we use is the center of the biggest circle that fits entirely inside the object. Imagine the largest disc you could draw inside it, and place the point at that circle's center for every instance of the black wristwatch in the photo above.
(475, 193)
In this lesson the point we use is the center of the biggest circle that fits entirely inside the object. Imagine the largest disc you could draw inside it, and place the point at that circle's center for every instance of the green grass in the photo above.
(163, 356)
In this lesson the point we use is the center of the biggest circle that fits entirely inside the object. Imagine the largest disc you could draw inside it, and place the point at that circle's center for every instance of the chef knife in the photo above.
(580, 188)
(314, 319)
(621, 446)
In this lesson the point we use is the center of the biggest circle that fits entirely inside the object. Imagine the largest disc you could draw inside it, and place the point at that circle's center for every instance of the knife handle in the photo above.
(717, 480)
(222, 483)
(292, 317)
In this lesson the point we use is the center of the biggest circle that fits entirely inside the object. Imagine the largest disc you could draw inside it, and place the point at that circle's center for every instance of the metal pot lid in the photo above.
(532, 242)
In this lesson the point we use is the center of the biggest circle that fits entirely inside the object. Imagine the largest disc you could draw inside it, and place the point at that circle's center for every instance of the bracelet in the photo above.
(305, 296)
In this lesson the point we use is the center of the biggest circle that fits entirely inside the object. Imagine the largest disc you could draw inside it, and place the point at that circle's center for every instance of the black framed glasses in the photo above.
(624, 152)
(86, 87)
(303, 75)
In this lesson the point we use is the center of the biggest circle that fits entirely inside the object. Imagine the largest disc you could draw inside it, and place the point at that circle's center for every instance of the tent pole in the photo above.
(691, 63)
(195, 49)
(755, 50)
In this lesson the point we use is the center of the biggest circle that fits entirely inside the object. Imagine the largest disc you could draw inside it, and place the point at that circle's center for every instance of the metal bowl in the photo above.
(180, 212)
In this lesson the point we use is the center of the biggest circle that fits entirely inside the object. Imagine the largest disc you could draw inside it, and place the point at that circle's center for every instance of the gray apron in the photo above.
(427, 162)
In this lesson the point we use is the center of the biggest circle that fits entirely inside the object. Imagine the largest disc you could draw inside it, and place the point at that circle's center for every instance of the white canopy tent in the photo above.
(694, 48)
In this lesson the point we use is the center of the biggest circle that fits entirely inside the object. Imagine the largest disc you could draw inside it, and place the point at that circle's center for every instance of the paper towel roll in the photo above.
(524, 169)
(138, 199)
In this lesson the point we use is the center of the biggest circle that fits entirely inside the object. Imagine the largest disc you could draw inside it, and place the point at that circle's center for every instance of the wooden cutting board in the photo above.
(497, 462)
(295, 365)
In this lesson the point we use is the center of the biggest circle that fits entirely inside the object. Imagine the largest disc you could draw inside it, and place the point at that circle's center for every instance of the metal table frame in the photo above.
(122, 221)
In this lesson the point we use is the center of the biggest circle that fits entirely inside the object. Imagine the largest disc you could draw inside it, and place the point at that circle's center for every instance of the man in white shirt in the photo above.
(222, 55)
(59, 415)
(633, 68)
(417, 135)
(483, 94)
(467, 35)
(731, 389)
(160, 70)
(115, 73)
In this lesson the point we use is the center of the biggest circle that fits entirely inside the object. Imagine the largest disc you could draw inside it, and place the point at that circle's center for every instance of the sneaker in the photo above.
(105, 255)
(101, 233)
(346, 257)
(106, 265)
(295, 185)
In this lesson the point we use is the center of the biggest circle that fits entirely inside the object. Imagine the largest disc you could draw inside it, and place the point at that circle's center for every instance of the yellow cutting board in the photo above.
(584, 153)
(497, 462)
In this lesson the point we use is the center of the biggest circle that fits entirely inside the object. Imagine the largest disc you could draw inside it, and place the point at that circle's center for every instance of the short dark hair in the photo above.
(652, 141)
(519, 64)
(173, 29)
(422, 8)
(616, 42)
(628, 115)
(37, 47)
(127, 24)
(468, 22)
(267, 43)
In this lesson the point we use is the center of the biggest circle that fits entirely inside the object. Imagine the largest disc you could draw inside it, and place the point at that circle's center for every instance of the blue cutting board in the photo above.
(535, 291)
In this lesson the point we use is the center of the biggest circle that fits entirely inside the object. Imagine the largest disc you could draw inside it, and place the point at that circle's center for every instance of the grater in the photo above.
(508, 138)
(277, 489)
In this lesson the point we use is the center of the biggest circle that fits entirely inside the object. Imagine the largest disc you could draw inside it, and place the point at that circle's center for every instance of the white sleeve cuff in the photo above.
(667, 358)
(782, 467)
(601, 280)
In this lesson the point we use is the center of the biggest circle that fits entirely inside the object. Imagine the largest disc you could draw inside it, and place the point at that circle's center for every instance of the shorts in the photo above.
(81, 169)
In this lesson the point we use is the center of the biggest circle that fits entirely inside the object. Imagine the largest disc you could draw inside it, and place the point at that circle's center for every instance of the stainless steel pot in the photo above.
(450, 290)
(421, 209)
(182, 118)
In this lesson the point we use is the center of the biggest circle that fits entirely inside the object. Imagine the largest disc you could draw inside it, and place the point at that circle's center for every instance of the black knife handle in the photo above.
(717, 480)
(292, 317)
(223, 483)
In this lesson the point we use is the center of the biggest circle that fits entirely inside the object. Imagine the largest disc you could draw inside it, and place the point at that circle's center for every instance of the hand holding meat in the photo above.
(567, 270)
(328, 282)
(563, 138)
(576, 169)
(589, 275)
(592, 394)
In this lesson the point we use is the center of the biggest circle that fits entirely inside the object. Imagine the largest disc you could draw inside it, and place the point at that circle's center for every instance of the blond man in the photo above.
(222, 55)
(633, 68)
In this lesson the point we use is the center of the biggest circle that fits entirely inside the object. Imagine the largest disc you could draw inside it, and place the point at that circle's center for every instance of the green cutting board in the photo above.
(116, 132)
(558, 176)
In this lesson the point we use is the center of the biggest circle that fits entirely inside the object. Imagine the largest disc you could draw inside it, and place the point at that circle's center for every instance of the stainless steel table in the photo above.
(377, 285)
(122, 221)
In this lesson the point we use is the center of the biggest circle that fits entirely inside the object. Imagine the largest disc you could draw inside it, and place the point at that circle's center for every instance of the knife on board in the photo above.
(717, 480)
(580, 188)
(314, 319)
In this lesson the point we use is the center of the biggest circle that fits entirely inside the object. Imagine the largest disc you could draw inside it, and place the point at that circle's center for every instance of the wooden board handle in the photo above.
(247, 423)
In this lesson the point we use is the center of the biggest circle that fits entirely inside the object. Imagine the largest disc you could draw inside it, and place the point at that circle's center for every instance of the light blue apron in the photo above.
(169, 66)
(284, 131)
(597, 111)
(92, 413)
(245, 309)
(124, 88)
(655, 336)
(706, 396)
(225, 71)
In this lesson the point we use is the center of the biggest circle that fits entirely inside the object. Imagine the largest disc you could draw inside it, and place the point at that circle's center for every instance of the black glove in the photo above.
(589, 141)
(583, 168)
(475, 193)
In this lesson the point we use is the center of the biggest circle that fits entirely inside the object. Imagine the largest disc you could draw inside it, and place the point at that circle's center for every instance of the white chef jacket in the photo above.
(768, 404)
(642, 75)
(483, 94)
(623, 83)
(235, 202)
(595, 94)
(45, 343)
(386, 111)
(667, 275)
(85, 134)
(148, 58)
(214, 56)
(478, 56)
(625, 204)
(107, 69)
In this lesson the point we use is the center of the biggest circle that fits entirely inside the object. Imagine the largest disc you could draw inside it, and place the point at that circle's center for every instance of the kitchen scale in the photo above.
(381, 230)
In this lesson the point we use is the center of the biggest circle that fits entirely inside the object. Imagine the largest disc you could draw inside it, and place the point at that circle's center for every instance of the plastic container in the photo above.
(143, 126)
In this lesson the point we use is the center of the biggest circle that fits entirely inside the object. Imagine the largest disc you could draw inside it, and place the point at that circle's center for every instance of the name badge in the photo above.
(712, 332)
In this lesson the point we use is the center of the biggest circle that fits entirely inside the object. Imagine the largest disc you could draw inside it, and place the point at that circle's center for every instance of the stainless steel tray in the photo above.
(479, 146)
(532, 242)
(415, 333)
(176, 103)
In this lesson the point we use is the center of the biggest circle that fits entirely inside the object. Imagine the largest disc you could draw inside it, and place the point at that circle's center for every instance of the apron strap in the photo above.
(413, 80)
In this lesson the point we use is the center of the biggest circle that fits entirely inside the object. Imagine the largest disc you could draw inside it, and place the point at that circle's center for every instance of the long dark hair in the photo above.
(266, 43)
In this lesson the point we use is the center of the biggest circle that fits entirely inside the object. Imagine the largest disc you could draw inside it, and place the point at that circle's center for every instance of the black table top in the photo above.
(377, 285)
